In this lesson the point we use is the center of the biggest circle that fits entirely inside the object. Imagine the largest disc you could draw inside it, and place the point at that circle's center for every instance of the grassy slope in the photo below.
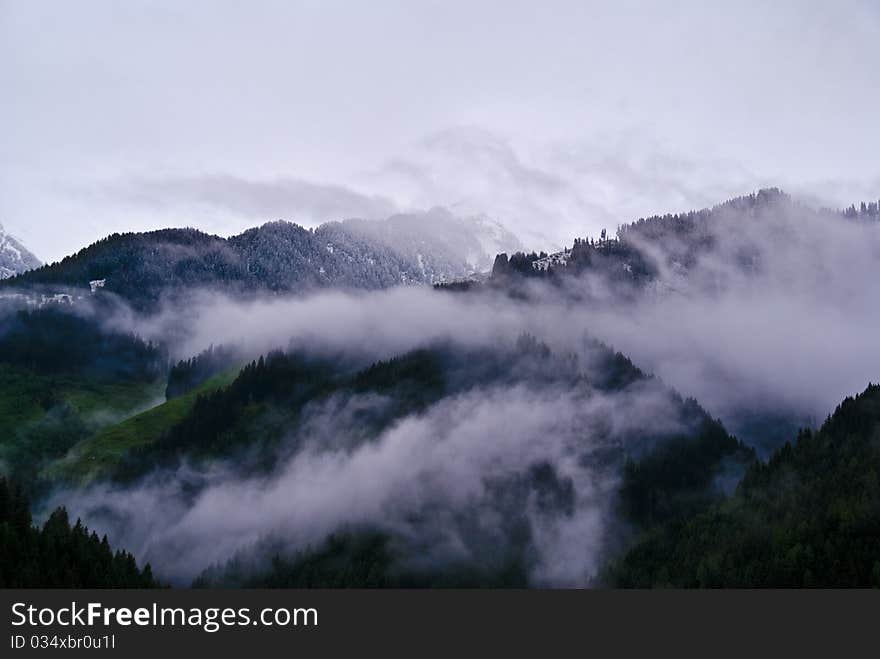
(26, 398)
(88, 459)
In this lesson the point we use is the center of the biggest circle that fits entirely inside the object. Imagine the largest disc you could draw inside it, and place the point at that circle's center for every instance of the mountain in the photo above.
(442, 244)
(278, 257)
(466, 497)
(57, 554)
(481, 455)
(808, 517)
(14, 257)
(764, 261)
(688, 251)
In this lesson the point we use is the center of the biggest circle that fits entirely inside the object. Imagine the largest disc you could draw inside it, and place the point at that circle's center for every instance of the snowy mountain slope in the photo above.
(441, 244)
(14, 257)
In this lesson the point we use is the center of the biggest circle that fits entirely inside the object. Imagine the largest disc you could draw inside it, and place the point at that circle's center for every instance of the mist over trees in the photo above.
(188, 374)
(727, 303)
(479, 433)
(62, 374)
(643, 251)
(654, 453)
(51, 341)
(808, 517)
(277, 257)
(56, 554)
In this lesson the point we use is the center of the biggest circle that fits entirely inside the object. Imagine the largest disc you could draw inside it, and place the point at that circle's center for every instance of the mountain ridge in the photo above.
(643, 250)
(277, 257)
(430, 247)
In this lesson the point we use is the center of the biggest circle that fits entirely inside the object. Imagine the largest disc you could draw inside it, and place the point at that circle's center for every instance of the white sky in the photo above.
(558, 118)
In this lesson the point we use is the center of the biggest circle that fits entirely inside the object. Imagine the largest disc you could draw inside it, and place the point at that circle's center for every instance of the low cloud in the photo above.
(779, 317)
(431, 481)
(548, 193)
(794, 331)
(256, 200)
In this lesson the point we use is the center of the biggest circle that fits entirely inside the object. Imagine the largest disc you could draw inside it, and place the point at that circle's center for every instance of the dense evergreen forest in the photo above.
(669, 483)
(808, 517)
(188, 374)
(144, 268)
(266, 403)
(52, 341)
(664, 475)
(664, 479)
(82, 406)
(633, 258)
(148, 268)
(58, 555)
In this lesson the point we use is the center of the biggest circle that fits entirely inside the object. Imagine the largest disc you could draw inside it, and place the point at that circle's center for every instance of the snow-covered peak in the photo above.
(494, 237)
(14, 257)
(440, 244)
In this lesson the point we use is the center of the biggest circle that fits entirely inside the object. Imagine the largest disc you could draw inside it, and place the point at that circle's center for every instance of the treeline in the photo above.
(265, 402)
(519, 263)
(264, 405)
(58, 555)
(140, 266)
(52, 341)
(623, 261)
(809, 517)
(683, 475)
(268, 399)
(189, 374)
(223, 421)
(145, 268)
(617, 260)
(864, 211)
(693, 226)
(668, 476)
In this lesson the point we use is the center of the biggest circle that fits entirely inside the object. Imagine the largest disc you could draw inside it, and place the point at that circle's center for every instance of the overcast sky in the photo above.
(558, 118)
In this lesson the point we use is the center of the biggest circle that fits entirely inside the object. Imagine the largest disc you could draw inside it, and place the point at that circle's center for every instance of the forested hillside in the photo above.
(659, 248)
(288, 407)
(412, 438)
(58, 555)
(277, 257)
(808, 517)
(64, 376)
